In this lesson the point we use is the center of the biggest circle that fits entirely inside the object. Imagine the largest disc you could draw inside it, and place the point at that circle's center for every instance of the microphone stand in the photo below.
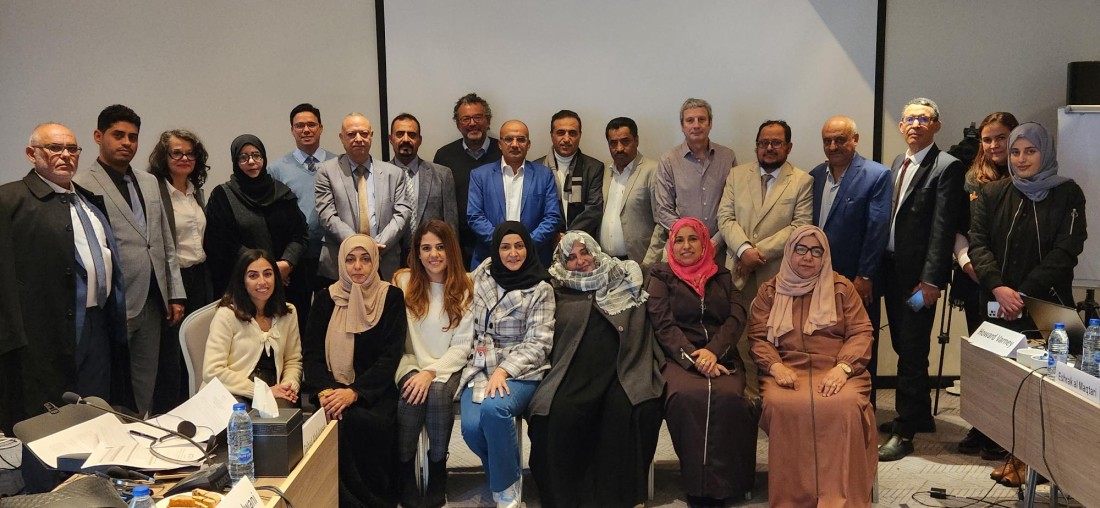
(73, 398)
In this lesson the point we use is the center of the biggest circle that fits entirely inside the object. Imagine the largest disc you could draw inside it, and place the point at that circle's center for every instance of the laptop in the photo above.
(1045, 314)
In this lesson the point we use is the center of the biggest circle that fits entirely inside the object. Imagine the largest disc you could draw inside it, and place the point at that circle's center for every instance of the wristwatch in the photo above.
(846, 368)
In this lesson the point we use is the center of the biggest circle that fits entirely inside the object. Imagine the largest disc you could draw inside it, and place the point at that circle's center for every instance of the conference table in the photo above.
(1072, 449)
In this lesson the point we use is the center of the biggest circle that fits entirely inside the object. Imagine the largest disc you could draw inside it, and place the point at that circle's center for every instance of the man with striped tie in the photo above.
(430, 186)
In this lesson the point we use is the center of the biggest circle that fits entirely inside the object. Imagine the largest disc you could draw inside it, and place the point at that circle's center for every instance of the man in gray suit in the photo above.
(430, 186)
(629, 227)
(357, 194)
(578, 175)
(147, 253)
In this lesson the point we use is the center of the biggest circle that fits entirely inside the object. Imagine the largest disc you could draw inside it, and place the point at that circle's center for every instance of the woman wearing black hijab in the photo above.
(253, 211)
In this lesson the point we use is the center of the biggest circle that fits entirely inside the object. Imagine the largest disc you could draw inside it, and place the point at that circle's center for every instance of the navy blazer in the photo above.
(540, 214)
(859, 220)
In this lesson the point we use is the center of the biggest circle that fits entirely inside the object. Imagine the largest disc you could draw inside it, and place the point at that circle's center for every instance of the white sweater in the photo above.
(234, 346)
(427, 342)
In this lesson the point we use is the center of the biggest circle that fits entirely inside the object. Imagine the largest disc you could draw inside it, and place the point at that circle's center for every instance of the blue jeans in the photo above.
(490, 431)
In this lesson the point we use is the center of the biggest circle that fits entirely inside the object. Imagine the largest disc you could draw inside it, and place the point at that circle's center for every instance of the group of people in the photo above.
(600, 299)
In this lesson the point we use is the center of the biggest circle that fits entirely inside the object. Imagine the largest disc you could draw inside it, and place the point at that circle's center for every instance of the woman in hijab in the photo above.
(698, 318)
(1026, 233)
(352, 346)
(508, 351)
(596, 415)
(253, 211)
(811, 339)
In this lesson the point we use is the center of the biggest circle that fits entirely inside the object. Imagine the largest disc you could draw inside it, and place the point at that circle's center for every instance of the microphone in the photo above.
(185, 430)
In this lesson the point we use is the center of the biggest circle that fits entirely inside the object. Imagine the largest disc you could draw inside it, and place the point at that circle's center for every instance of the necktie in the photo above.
(311, 164)
(764, 179)
(898, 189)
(410, 195)
(97, 253)
(364, 205)
(135, 203)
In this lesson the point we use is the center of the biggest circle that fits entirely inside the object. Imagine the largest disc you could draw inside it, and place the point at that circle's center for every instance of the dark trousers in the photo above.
(93, 356)
(303, 281)
(911, 337)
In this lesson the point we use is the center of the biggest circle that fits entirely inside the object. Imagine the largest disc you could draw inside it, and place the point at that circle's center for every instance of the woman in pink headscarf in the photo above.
(697, 318)
(811, 339)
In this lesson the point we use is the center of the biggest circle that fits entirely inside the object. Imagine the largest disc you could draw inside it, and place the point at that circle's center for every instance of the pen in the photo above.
(142, 434)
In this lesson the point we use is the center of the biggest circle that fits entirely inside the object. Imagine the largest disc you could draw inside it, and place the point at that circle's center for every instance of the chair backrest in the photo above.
(193, 333)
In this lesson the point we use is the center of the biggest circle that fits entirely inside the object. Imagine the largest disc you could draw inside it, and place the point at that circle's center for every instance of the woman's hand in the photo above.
(833, 381)
(707, 363)
(1011, 303)
(497, 384)
(285, 391)
(336, 401)
(784, 376)
(415, 390)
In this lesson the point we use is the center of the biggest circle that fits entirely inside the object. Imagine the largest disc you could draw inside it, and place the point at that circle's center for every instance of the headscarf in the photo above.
(1036, 187)
(789, 284)
(695, 275)
(358, 309)
(260, 191)
(618, 284)
(529, 273)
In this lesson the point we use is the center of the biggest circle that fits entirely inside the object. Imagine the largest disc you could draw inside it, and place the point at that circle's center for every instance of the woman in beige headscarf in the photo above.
(352, 345)
(811, 339)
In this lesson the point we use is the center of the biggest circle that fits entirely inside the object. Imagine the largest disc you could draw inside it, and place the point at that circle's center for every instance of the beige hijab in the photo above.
(789, 284)
(358, 308)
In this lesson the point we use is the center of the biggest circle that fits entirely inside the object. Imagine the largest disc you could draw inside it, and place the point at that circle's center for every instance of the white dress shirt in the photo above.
(513, 190)
(910, 172)
(190, 226)
(82, 246)
(612, 239)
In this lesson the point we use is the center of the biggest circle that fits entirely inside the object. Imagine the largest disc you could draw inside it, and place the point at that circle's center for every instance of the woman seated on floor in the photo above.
(811, 338)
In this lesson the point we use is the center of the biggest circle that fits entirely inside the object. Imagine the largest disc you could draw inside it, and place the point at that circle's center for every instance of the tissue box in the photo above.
(277, 442)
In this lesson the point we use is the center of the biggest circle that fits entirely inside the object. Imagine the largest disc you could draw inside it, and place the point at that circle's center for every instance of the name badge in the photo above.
(480, 352)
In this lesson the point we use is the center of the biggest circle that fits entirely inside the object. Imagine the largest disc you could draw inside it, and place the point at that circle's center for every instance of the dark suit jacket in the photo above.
(435, 197)
(540, 214)
(859, 221)
(585, 212)
(454, 156)
(927, 219)
(52, 291)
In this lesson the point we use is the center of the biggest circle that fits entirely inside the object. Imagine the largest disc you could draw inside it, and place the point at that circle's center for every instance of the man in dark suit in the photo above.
(472, 116)
(928, 199)
(513, 188)
(70, 320)
(852, 206)
(579, 177)
(431, 187)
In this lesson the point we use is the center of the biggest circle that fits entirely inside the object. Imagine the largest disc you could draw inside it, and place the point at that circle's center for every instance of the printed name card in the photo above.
(1078, 382)
(998, 340)
(242, 495)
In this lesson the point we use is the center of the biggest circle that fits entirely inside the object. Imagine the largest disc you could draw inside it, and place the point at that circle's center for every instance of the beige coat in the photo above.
(645, 239)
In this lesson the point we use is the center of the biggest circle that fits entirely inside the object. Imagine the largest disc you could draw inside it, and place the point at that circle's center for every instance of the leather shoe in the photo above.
(1014, 474)
(1000, 472)
(895, 448)
(972, 443)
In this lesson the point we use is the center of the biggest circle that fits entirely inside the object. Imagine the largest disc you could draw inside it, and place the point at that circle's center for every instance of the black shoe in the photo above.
(993, 451)
(895, 448)
(973, 442)
(927, 426)
(435, 494)
(887, 427)
(704, 502)
(410, 493)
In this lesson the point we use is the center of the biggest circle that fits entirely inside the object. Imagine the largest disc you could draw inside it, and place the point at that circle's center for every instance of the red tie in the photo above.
(898, 188)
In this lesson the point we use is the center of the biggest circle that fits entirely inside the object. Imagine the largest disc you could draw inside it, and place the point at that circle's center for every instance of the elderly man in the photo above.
(629, 227)
(927, 202)
(431, 187)
(357, 194)
(692, 175)
(514, 188)
(578, 175)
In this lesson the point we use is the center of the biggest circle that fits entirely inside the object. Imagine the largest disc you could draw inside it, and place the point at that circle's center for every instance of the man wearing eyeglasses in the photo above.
(147, 251)
(472, 116)
(579, 177)
(927, 201)
(357, 194)
(298, 170)
(513, 188)
(762, 203)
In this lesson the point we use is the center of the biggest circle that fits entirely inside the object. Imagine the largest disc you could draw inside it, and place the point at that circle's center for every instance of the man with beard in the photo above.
(629, 228)
(430, 187)
(579, 176)
(762, 203)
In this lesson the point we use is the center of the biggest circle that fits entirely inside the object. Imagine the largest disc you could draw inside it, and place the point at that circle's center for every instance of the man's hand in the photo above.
(284, 271)
(931, 293)
(175, 314)
(751, 259)
(1011, 303)
(863, 287)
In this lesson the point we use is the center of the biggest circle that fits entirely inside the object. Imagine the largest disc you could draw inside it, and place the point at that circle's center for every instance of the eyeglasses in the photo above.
(920, 120)
(816, 252)
(178, 155)
(773, 143)
(245, 157)
(517, 139)
(58, 149)
(473, 118)
(354, 134)
(302, 125)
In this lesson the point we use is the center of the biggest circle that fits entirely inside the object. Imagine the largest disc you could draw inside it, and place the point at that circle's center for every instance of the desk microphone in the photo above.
(185, 430)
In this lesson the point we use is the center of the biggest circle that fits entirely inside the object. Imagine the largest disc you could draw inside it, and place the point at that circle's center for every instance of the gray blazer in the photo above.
(141, 253)
(338, 211)
(435, 196)
(645, 238)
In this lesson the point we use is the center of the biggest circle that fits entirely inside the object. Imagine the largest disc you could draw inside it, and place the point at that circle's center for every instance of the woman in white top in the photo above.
(254, 333)
(438, 293)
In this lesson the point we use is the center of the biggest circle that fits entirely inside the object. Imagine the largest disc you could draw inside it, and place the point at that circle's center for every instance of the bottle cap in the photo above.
(1094, 322)
(141, 490)
(1059, 326)
(239, 406)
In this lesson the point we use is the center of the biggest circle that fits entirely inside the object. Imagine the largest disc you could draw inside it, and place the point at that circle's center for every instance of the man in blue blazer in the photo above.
(852, 205)
(514, 188)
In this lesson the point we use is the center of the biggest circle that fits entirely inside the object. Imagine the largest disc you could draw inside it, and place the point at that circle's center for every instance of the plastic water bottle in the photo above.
(143, 498)
(1057, 347)
(1090, 347)
(240, 445)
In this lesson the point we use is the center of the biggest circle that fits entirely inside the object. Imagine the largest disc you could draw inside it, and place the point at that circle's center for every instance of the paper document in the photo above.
(209, 410)
(136, 454)
(81, 438)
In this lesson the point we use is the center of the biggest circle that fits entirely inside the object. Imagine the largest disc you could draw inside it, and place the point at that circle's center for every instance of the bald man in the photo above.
(514, 188)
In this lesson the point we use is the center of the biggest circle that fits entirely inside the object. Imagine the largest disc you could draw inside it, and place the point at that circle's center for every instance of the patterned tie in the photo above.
(364, 204)
(135, 204)
(764, 179)
(898, 189)
(97, 252)
(410, 196)
(311, 164)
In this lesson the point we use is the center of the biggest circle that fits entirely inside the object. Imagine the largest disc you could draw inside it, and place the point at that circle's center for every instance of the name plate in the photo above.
(1078, 382)
(242, 495)
(998, 340)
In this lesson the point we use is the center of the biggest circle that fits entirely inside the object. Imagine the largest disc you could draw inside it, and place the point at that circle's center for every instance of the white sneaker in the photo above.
(510, 497)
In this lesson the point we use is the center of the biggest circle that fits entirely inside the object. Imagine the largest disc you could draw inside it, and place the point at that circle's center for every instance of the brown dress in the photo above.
(821, 450)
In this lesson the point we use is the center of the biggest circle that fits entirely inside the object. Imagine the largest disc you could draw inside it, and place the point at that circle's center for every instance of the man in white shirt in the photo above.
(629, 228)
